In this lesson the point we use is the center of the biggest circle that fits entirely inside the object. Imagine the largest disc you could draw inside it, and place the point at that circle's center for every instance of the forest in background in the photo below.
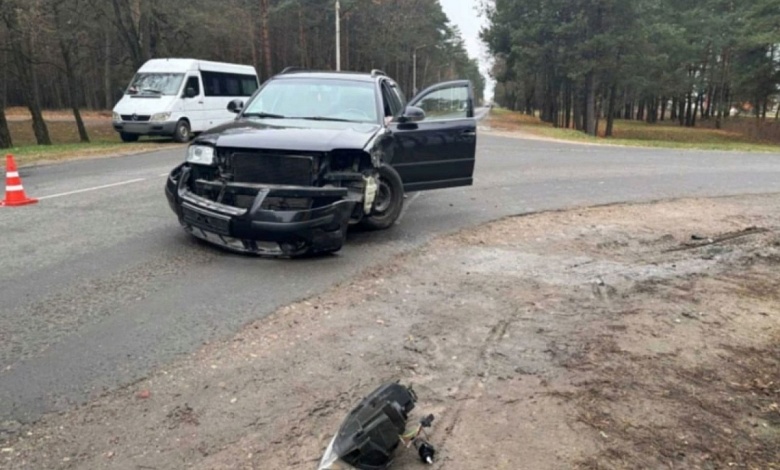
(575, 63)
(81, 54)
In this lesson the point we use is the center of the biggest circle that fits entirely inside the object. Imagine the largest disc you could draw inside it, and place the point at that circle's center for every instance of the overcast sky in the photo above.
(465, 15)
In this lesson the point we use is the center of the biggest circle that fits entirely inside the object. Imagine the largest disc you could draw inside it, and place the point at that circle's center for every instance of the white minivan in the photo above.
(180, 97)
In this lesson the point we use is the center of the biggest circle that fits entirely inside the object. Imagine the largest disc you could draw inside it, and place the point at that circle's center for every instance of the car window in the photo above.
(397, 90)
(347, 100)
(391, 103)
(446, 103)
(155, 84)
(228, 84)
(194, 83)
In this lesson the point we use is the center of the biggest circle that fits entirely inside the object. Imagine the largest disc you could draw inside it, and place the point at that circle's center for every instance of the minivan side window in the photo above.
(194, 83)
(228, 84)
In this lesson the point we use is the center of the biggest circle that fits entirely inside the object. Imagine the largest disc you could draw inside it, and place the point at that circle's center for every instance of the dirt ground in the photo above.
(631, 336)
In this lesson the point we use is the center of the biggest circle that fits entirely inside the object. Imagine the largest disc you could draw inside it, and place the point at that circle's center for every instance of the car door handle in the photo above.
(200, 102)
(469, 133)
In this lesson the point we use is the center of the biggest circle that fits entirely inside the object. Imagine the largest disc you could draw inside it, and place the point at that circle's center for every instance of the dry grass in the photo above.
(738, 134)
(65, 138)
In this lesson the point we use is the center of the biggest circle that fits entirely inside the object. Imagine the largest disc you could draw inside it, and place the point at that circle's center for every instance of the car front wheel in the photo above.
(389, 200)
(182, 133)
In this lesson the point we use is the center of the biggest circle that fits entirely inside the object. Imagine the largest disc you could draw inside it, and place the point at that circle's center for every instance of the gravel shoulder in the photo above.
(625, 336)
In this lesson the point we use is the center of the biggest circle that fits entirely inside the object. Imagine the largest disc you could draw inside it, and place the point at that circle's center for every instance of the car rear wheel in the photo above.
(128, 137)
(389, 200)
(183, 132)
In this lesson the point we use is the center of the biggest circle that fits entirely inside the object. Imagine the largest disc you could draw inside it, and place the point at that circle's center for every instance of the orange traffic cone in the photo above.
(14, 192)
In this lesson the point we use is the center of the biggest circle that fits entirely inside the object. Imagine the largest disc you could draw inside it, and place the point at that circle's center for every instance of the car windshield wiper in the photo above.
(323, 118)
(152, 90)
(263, 115)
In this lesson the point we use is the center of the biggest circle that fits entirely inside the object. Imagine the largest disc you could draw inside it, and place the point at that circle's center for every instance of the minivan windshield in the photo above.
(315, 99)
(155, 84)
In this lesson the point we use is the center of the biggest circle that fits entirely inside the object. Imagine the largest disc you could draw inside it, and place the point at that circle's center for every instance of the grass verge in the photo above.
(66, 145)
(33, 154)
(642, 134)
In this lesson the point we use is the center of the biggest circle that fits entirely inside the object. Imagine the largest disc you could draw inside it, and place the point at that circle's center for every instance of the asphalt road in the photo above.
(99, 285)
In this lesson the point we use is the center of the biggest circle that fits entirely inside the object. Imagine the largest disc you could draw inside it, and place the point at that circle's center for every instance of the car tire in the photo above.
(388, 203)
(183, 133)
(128, 137)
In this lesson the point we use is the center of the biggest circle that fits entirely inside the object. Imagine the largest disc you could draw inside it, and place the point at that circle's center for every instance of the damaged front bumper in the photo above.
(256, 228)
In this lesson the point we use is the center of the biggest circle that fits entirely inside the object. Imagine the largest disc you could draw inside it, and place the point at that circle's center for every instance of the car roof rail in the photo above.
(293, 69)
(376, 72)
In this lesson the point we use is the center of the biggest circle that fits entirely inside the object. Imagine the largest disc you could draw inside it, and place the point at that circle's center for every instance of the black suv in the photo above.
(312, 152)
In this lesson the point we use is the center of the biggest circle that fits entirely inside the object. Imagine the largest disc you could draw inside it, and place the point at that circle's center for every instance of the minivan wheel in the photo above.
(183, 132)
(389, 200)
(128, 137)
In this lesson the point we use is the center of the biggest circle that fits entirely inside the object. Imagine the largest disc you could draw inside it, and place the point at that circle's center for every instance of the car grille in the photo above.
(135, 117)
(269, 168)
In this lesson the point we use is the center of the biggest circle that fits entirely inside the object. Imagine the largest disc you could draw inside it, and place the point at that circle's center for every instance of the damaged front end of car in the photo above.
(272, 202)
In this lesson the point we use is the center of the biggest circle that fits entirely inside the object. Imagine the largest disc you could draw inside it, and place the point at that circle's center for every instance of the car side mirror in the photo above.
(235, 106)
(190, 92)
(412, 114)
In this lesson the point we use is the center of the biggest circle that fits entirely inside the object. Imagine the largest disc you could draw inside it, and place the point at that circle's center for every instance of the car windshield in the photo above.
(327, 100)
(155, 84)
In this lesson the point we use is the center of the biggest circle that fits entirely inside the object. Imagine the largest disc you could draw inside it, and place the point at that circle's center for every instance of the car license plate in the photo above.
(216, 223)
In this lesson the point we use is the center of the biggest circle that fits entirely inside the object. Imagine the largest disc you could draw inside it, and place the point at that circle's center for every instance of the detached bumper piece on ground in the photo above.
(374, 429)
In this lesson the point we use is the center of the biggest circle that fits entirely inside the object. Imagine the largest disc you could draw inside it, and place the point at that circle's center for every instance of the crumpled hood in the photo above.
(294, 134)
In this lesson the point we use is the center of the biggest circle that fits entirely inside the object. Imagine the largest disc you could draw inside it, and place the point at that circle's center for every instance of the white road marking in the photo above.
(406, 206)
(105, 186)
(163, 174)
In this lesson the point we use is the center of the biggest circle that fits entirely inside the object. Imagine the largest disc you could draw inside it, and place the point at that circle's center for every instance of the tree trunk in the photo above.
(590, 104)
(628, 107)
(21, 50)
(689, 109)
(73, 92)
(664, 105)
(5, 134)
(611, 111)
(579, 105)
(567, 105)
(264, 13)
(127, 20)
(652, 110)
(696, 108)
(302, 37)
(707, 113)
(108, 92)
(347, 49)
(253, 43)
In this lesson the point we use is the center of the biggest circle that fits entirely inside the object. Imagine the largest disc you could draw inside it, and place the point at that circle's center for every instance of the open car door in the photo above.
(437, 151)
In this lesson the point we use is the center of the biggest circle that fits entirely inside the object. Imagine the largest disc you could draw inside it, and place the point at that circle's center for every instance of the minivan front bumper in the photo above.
(146, 128)
(257, 230)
